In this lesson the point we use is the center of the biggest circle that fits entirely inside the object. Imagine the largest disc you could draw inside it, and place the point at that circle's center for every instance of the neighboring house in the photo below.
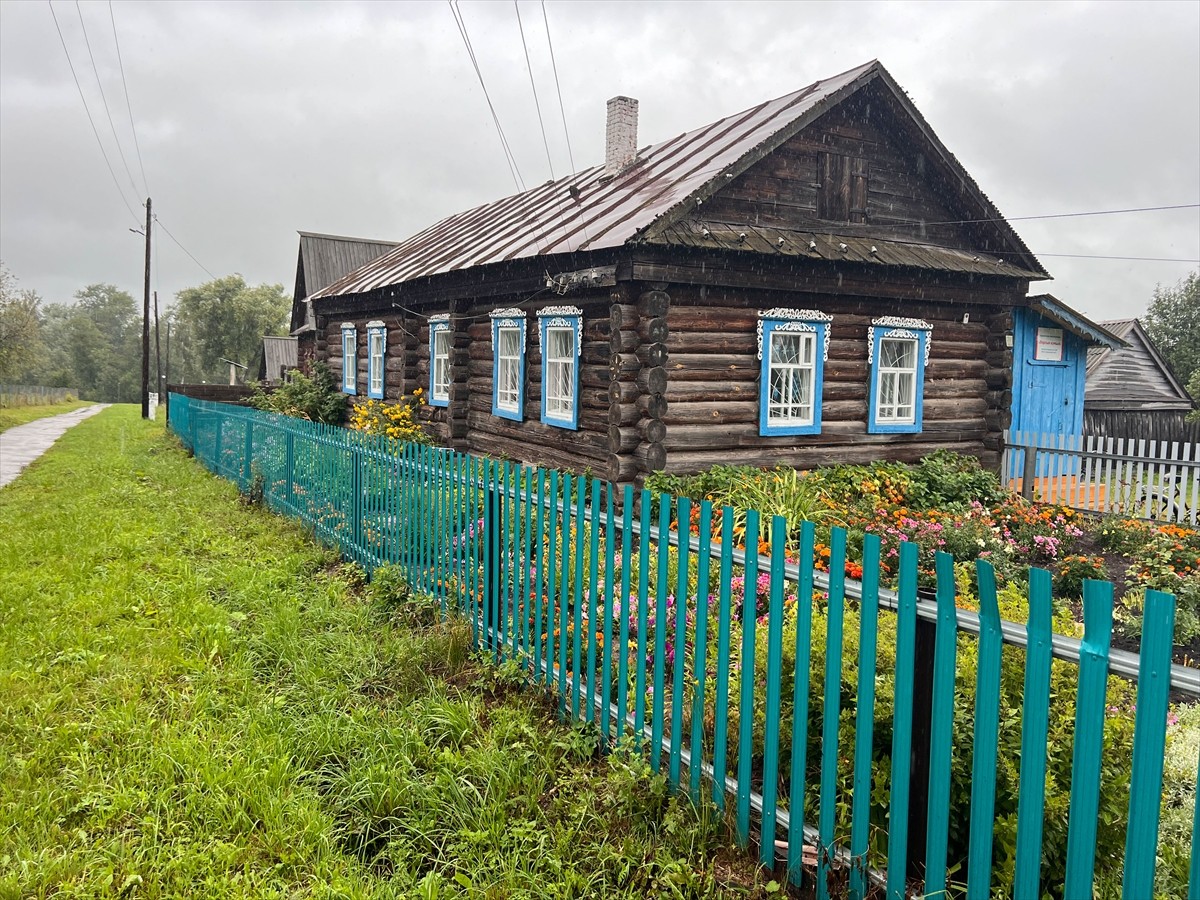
(816, 279)
(1051, 347)
(276, 358)
(322, 260)
(1132, 392)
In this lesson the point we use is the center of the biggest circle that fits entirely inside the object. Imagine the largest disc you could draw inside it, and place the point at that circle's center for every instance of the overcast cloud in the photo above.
(256, 120)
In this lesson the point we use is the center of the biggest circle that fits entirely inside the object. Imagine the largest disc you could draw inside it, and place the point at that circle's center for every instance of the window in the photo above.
(898, 351)
(376, 347)
(560, 338)
(439, 361)
(793, 345)
(349, 358)
(508, 363)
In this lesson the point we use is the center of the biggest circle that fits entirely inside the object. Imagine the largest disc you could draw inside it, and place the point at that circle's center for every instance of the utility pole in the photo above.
(146, 325)
(158, 372)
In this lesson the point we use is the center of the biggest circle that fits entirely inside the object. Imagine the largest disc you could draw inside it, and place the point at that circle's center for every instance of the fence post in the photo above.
(247, 472)
(1029, 474)
(491, 559)
(922, 724)
(289, 463)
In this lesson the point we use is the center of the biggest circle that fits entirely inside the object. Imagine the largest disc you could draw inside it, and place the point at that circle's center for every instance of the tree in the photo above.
(1173, 323)
(223, 318)
(20, 329)
(94, 344)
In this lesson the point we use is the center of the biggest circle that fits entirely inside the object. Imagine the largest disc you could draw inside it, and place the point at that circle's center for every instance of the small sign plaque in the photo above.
(1049, 345)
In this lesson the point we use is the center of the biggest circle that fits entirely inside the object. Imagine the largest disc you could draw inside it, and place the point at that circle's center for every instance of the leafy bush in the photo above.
(713, 484)
(1071, 572)
(317, 398)
(945, 478)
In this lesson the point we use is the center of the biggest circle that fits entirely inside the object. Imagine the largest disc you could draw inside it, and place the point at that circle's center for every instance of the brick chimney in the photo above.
(620, 144)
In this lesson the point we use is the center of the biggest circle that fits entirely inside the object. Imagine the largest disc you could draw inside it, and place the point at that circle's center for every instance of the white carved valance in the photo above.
(795, 320)
(376, 324)
(898, 327)
(560, 311)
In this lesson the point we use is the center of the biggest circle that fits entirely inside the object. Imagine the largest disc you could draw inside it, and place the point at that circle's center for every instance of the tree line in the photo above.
(94, 345)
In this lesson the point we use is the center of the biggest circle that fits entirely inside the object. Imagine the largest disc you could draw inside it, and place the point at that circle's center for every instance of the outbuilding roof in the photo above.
(1134, 376)
(647, 200)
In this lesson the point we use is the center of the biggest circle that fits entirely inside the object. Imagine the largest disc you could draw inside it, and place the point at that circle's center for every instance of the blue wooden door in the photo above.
(1049, 365)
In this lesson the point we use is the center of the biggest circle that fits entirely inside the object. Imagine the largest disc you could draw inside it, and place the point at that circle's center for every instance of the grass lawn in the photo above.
(197, 701)
(12, 416)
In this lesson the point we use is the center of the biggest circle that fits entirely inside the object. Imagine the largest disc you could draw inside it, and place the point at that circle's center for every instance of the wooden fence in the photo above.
(738, 672)
(34, 395)
(1162, 425)
(1133, 477)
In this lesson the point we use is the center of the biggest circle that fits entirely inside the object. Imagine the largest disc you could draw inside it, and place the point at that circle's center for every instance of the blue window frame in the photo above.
(793, 345)
(376, 354)
(508, 364)
(349, 358)
(898, 351)
(560, 334)
(439, 360)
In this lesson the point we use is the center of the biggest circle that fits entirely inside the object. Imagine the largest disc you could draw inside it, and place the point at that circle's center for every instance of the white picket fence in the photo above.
(1146, 479)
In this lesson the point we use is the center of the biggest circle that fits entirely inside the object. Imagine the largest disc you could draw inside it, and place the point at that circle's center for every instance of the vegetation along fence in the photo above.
(879, 740)
(34, 395)
(1134, 477)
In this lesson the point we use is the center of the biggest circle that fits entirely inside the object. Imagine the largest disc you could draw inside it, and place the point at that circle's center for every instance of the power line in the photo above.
(558, 88)
(103, 152)
(1101, 212)
(125, 86)
(183, 248)
(1126, 258)
(104, 99)
(508, 154)
(537, 105)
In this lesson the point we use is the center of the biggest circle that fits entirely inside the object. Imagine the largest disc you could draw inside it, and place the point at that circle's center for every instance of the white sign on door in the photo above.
(1049, 345)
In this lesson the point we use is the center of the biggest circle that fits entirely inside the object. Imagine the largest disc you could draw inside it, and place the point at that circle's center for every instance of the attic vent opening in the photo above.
(620, 138)
(842, 194)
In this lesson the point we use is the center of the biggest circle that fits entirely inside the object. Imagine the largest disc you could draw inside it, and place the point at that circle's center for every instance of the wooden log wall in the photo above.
(712, 395)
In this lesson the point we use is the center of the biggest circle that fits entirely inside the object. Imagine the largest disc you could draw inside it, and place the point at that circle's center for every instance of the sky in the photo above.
(256, 120)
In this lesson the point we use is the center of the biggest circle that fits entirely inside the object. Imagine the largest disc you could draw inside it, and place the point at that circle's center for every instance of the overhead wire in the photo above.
(558, 88)
(128, 105)
(1101, 212)
(104, 98)
(536, 103)
(158, 221)
(91, 121)
(508, 154)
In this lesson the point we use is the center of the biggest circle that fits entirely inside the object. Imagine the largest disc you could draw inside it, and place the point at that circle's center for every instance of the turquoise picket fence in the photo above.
(740, 674)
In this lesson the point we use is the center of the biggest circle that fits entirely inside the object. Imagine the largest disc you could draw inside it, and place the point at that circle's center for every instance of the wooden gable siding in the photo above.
(853, 157)
(712, 394)
(1131, 378)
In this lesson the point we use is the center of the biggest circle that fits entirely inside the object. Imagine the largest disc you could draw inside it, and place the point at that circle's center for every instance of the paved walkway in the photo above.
(22, 445)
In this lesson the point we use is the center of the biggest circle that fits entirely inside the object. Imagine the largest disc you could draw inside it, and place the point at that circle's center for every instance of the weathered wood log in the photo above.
(682, 391)
(625, 366)
(649, 406)
(622, 469)
(728, 342)
(650, 457)
(652, 380)
(623, 342)
(711, 413)
(652, 330)
(621, 392)
(653, 303)
(652, 354)
(623, 440)
(653, 430)
(622, 316)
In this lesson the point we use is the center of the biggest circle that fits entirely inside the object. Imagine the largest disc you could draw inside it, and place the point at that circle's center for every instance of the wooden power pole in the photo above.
(146, 325)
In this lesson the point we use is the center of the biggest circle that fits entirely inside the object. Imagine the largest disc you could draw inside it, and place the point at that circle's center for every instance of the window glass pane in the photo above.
(898, 354)
(785, 348)
(509, 341)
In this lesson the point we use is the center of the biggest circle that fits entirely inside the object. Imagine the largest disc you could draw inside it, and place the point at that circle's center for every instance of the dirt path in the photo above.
(23, 444)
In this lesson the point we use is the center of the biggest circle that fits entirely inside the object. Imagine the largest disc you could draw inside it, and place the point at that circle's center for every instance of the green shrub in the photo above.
(945, 478)
(317, 398)
(1071, 572)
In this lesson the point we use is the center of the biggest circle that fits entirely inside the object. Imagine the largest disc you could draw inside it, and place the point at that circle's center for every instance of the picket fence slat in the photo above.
(746, 693)
(1149, 741)
(534, 560)
(941, 733)
(986, 738)
(800, 689)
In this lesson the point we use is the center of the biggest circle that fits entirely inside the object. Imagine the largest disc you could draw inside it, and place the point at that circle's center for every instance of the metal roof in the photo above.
(1135, 375)
(588, 211)
(278, 353)
(323, 259)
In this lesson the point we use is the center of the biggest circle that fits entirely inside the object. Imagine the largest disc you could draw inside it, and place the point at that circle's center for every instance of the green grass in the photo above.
(197, 701)
(12, 416)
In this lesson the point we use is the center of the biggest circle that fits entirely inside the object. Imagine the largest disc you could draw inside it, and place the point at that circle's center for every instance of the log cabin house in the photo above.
(816, 279)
